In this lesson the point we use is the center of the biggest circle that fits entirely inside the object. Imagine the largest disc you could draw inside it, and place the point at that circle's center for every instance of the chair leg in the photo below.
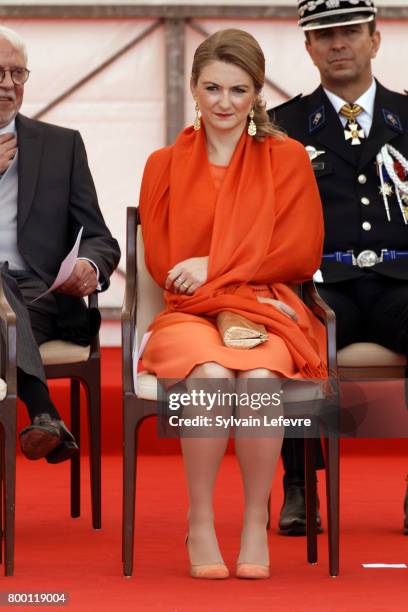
(76, 459)
(129, 488)
(332, 488)
(9, 462)
(94, 421)
(311, 499)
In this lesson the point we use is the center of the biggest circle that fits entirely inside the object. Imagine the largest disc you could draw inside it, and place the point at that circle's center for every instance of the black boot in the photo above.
(292, 520)
(406, 511)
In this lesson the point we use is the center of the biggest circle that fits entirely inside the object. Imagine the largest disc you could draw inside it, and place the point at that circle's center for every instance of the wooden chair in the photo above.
(331, 446)
(143, 300)
(8, 422)
(367, 361)
(61, 360)
(82, 365)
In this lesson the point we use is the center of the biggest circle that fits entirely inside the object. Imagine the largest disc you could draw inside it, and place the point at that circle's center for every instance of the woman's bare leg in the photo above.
(257, 457)
(202, 457)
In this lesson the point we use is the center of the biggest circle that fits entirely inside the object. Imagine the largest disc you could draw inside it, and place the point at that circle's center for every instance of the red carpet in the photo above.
(55, 553)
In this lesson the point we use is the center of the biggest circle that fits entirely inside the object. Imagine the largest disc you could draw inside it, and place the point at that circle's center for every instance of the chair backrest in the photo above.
(149, 295)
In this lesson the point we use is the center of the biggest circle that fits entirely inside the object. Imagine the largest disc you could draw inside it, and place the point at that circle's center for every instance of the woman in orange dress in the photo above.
(231, 218)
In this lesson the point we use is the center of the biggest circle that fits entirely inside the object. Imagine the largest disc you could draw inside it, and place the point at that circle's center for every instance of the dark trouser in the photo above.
(35, 324)
(372, 308)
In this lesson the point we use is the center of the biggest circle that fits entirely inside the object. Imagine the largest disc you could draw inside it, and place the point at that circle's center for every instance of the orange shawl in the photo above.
(264, 226)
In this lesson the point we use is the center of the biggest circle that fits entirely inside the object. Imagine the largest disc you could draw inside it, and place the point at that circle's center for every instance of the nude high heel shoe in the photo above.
(214, 571)
(252, 571)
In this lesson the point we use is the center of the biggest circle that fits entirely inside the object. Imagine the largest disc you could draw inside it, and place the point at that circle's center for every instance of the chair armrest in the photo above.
(128, 317)
(93, 300)
(8, 343)
(95, 349)
(319, 307)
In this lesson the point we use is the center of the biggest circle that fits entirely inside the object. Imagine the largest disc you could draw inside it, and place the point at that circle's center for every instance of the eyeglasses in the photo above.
(18, 75)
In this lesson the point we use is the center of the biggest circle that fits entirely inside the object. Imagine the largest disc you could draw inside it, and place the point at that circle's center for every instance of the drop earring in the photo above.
(251, 124)
(197, 119)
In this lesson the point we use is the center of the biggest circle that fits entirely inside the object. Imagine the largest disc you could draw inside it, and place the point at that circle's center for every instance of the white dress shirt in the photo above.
(10, 128)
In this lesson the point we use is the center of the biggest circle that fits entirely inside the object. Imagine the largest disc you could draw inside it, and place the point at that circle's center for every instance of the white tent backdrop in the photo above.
(121, 111)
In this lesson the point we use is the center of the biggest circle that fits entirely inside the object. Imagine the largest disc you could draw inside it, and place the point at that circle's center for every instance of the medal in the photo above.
(386, 190)
(354, 132)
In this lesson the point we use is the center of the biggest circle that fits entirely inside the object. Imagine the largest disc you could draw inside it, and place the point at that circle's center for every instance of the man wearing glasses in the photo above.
(356, 133)
(46, 196)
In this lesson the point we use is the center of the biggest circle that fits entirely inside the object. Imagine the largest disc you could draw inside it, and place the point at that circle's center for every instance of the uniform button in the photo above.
(362, 179)
(365, 201)
(366, 226)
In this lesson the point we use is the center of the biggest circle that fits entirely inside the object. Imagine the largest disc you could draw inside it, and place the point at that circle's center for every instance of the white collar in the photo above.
(11, 127)
(366, 101)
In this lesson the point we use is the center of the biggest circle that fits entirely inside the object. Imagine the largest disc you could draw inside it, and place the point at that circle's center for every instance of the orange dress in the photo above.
(260, 222)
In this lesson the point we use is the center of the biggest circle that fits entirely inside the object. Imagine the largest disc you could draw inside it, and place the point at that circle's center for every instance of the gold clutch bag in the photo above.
(238, 332)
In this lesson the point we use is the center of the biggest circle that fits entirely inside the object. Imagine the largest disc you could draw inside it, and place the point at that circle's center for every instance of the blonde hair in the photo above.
(15, 40)
(241, 49)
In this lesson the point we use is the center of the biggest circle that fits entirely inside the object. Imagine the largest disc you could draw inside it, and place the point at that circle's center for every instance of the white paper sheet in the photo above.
(137, 353)
(384, 565)
(66, 267)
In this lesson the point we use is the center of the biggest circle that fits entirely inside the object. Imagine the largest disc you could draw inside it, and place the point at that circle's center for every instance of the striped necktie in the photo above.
(353, 130)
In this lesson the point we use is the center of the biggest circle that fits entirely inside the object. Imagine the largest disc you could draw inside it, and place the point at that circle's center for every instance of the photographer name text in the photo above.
(232, 421)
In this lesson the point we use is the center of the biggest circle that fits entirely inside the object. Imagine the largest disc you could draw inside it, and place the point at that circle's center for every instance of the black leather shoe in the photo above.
(292, 520)
(406, 512)
(66, 448)
(44, 437)
(40, 438)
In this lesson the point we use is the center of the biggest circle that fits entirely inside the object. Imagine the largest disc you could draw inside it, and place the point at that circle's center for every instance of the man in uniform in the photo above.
(356, 133)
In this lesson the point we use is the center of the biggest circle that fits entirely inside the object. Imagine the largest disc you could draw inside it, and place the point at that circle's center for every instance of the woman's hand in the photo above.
(187, 276)
(287, 310)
